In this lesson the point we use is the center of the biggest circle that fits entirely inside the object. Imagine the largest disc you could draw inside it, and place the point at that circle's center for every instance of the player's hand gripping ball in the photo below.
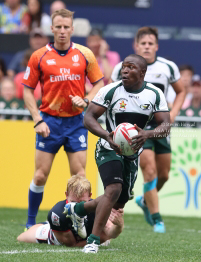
(122, 137)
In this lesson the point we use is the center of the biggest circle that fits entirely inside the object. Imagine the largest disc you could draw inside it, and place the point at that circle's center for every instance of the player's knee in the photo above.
(148, 186)
(40, 178)
(163, 177)
(149, 174)
(112, 192)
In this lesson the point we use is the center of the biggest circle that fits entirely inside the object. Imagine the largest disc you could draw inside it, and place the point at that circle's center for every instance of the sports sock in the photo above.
(79, 209)
(156, 218)
(93, 239)
(35, 199)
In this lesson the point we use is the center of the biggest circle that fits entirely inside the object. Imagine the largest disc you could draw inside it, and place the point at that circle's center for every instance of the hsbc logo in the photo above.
(75, 59)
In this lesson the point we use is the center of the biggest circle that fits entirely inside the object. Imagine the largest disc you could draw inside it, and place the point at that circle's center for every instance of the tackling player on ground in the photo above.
(134, 101)
(61, 67)
(155, 159)
(59, 231)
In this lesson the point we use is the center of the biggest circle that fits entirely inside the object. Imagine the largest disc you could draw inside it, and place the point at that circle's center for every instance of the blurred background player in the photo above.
(59, 231)
(119, 173)
(61, 68)
(155, 159)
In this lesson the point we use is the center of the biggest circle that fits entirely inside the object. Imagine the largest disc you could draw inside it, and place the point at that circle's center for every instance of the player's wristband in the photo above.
(39, 122)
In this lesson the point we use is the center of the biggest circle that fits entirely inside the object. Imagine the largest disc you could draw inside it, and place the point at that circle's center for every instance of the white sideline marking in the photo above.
(191, 230)
(47, 251)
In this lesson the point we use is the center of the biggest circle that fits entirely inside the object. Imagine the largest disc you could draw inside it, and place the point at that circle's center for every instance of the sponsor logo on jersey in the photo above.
(123, 105)
(158, 75)
(64, 76)
(51, 62)
(118, 178)
(27, 73)
(75, 59)
(136, 97)
(145, 107)
(55, 219)
(82, 141)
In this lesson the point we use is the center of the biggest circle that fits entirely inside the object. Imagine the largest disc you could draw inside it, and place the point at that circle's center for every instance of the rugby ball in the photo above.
(122, 135)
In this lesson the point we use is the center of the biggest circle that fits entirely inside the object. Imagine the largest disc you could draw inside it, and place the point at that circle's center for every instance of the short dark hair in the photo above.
(142, 61)
(146, 30)
(186, 67)
(96, 31)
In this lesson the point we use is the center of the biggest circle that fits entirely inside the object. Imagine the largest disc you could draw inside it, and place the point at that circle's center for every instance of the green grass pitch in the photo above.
(182, 242)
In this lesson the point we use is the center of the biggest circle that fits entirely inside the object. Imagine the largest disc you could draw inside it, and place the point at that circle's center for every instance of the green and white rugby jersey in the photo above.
(161, 73)
(136, 107)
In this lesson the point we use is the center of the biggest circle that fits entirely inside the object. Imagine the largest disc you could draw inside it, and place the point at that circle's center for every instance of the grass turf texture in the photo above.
(136, 243)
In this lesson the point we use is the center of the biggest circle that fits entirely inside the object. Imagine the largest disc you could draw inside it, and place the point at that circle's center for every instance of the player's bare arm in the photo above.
(178, 102)
(90, 121)
(115, 223)
(162, 130)
(68, 239)
(41, 128)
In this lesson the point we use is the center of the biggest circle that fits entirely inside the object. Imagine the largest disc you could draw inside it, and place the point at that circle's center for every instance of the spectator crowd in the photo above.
(29, 18)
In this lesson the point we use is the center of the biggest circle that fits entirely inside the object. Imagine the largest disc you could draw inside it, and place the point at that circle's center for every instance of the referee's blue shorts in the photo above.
(64, 131)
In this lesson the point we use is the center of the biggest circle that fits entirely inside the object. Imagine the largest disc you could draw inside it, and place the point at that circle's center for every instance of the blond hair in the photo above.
(78, 185)
(63, 13)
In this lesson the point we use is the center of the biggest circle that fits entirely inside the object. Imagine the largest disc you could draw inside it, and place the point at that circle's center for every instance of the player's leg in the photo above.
(77, 162)
(148, 166)
(46, 148)
(43, 163)
(30, 235)
(163, 158)
(163, 168)
(76, 144)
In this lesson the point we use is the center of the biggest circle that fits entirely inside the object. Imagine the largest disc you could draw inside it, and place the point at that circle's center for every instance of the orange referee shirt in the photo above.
(61, 76)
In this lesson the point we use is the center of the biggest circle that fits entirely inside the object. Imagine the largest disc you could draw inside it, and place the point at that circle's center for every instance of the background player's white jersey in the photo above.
(135, 107)
(161, 73)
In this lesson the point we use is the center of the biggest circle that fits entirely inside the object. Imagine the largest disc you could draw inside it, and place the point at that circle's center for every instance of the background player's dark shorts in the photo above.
(114, 168)
(159, 146)
(64, 131)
